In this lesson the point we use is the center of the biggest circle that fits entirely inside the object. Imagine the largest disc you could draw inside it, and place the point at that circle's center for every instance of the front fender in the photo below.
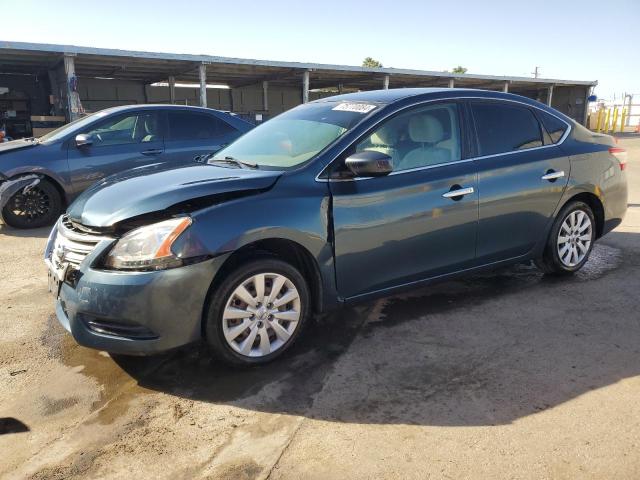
(60, 179)
(300, 215)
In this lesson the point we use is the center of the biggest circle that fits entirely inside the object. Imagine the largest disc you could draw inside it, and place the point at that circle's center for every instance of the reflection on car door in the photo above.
(407, 226)
(191, 134)
(520, 183)
(120, 142)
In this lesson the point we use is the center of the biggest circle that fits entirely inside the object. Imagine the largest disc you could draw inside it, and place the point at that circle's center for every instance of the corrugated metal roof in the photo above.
(11, 51)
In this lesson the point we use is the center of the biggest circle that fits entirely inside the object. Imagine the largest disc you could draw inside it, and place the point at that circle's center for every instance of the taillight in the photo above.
(620, 154)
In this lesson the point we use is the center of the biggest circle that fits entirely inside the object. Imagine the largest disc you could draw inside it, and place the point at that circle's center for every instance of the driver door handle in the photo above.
(152, 151)
(458, 192)
(553, 175)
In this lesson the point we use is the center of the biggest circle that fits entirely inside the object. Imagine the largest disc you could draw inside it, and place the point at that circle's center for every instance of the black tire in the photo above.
(224, 291)
(550, 262)
(39, 207)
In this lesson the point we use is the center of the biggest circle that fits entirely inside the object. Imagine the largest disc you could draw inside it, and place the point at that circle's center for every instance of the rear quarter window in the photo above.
(554, 127)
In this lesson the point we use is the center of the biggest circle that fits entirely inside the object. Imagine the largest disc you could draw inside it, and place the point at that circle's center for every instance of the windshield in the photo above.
(59, 133)
(295, 136)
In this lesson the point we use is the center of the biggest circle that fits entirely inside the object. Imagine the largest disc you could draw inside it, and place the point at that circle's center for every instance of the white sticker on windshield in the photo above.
(354, 107)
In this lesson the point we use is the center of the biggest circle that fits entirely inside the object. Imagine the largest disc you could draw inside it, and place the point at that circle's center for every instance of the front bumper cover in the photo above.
(152, 311)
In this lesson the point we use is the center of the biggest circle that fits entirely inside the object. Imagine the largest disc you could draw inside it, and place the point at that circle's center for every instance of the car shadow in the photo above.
(6, 230)
(12, 425)
(484, 350)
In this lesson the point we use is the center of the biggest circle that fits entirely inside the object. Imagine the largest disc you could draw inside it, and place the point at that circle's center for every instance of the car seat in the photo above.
(384, 141)
(426, 130)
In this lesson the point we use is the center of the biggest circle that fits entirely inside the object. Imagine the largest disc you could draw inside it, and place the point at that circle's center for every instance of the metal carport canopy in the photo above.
(150, 67)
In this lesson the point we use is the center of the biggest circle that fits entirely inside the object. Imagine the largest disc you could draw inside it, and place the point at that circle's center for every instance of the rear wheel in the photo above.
(570, 240)
(257, 312)
(41, 205)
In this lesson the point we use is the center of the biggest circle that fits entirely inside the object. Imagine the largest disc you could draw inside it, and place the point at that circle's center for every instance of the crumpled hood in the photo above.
(157, 187)
(16, 145)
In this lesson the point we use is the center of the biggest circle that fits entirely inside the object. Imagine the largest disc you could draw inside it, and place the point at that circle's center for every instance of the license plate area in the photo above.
(56, 279)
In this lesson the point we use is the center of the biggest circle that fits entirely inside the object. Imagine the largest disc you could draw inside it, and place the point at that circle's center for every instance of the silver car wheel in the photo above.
(261, 314)
(574, 238)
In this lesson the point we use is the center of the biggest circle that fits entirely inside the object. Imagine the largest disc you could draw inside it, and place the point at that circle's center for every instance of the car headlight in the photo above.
(148, 247)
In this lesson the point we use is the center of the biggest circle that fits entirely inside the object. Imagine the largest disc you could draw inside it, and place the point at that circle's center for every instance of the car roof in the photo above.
(158, 106)
(396, 94)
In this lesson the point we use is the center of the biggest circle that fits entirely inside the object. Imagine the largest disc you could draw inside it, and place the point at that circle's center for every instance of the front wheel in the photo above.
(257, 312)
(570, 240)
(39, 206)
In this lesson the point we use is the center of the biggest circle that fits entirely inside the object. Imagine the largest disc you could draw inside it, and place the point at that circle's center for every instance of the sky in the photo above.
(566, 39)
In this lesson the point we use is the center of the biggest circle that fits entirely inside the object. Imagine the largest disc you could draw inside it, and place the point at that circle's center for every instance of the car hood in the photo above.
(16, 145)
(158, 187)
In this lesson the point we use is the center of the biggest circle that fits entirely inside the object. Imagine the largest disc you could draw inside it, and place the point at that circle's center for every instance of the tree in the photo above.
(371, 63)
(459, 69)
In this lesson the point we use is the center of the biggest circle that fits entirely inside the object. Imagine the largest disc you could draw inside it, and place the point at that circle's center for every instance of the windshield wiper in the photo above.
(235, 161)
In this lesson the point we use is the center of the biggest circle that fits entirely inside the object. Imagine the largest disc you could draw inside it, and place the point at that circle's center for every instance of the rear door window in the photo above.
(554, 127)
(503, 128)
(196, 126)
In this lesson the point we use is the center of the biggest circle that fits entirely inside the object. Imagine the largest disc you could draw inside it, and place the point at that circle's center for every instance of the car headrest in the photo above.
(425, 129)
(384, 136)
(150, 124)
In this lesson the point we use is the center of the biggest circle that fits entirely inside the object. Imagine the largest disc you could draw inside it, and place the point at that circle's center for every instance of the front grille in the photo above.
(73, 243)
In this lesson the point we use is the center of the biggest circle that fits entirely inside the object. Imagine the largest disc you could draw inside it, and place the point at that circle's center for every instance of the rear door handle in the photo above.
(552, 175)
(153, 151)
(458, 192)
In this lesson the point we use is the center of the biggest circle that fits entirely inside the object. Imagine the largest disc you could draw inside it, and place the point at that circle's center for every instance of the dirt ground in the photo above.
(500, 375)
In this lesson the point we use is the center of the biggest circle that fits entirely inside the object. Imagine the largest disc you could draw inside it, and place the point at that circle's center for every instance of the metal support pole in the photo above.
(385, 82)
(203, 84)
(265, 96)
(585, 114)
(505, 86)
(340, 88)
(305, 86)
(549, 95)
(172, 89)
(73, 99)
(452, 83)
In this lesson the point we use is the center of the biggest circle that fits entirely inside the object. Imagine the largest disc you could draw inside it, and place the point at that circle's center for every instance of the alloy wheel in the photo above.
(574, 238)
(30, 205)
(261, 314)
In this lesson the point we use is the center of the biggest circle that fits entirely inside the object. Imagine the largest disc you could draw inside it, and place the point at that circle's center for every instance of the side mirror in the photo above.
(369, 164)
(83, 140)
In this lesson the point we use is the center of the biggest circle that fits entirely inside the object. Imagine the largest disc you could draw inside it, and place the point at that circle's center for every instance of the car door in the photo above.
(409, 225)
(117, 143)
(191, 134)
(521, 176)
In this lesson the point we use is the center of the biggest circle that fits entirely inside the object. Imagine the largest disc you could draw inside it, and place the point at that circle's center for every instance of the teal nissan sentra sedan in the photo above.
(336, 201)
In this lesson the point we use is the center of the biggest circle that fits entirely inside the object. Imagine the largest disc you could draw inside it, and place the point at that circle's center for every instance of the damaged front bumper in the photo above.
(134, 313)
(9, 187)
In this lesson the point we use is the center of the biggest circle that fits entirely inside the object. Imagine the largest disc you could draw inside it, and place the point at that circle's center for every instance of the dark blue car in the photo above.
(333, 202)
(40, 177)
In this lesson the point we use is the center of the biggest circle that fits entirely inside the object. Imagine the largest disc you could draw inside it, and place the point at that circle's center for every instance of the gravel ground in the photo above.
(500, 375)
